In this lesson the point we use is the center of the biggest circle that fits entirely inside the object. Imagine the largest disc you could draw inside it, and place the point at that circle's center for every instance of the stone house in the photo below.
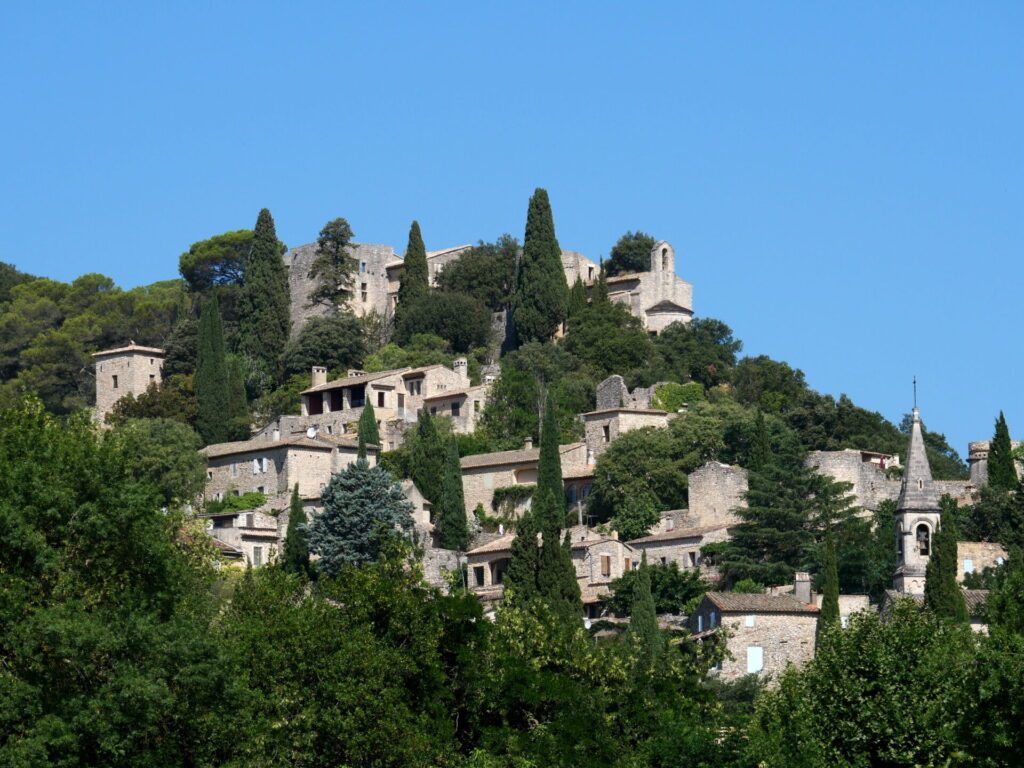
(128, 370)
(973, 598)
(463, 406)
(681, 546)
(764, 633)
(274, 465)
(602, 427)
(485, 473)
(976, 556)
(658, 297)
(252, 535)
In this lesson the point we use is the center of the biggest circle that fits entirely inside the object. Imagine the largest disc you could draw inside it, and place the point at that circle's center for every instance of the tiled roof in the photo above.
(454, 392)
(320, 442)
(520, 456)
(129, 348)
(422, 369)
(974, 598)
(226, 549)
(577, 471)
(352, 381)
(678, 533)
(737, 602)
(500, 544)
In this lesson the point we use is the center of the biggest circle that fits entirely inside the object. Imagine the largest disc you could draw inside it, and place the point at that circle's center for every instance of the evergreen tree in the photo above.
(541, 295)
(643, 620)
(334, 265)
(450, 524)
(363, 507)
(1002, 474)
(577, 298)
(295, 557)
(760, 445)
(368, 433)
(263, 313)
(549, 466)
(599, 295)
(942, 593)
(415, 282)
(830, 586)
(521, 576)
(426, 458)
(239, 418)
(213, 403)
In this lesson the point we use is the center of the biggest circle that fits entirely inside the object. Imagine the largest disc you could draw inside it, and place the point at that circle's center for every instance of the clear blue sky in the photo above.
(845, 187)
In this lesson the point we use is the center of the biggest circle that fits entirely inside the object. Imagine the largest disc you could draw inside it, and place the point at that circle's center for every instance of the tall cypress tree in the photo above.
(830, 586)
(239, 418)
(295, 558)
(415, 283)
(643, 618)
(368, 432)
(549, 467)
(450, 524)
(263, 307)
(942, 594)
(521, 576)
(213, 404)
(541, 296)
(760, 445)
(600, 293)
(426, 458)
(577, 298)
(1002, 474)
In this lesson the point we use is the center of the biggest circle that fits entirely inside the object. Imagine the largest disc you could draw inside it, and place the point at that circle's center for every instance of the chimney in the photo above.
(319, 375)
(461, 367)
(802, 587)
(528, 444)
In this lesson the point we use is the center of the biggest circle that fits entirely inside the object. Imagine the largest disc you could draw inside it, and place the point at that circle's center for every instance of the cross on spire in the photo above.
(915, 391)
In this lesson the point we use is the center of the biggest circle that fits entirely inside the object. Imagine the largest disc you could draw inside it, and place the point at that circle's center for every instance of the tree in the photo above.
(549, 465)
(415, 281)
(334, 341)
(427, 458)
(450, 525)
(510, 415)
(608, 338)
(487, 272)
(462, 321)
(760, 446)
(363, 509)
(942, 593)
(673, 590)
(181, 348)
(541, 295)
(829, 615)
(163, 454)
(1002, 473)
(333, 267)
(295, 558)
(703, 350)
(263, 312)
(632, 253)
(213, 404)
(239, 418)
(216, 261)
(174, 400)
(643, 621)
(577, 298)
(368, 432)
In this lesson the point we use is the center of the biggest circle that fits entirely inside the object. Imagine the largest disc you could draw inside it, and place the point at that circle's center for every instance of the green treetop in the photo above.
(450, 524)
(760, 445)
(1002, 474)
(368, 433)
(263, 313)
(942, 593)
(632, 253)
(577, 298)
(426, 458)
(334, 265)
(295, 557)
(415, 281)
(213, 404)
(541, 294)
(549, 465)
(829, 615)
(643, 621)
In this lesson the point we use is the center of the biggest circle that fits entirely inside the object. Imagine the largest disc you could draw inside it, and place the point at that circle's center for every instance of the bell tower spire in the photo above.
(917, 514)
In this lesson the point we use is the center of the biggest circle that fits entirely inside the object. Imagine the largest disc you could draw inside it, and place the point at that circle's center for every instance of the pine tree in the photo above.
(942, 593)
(213, 405)
(295, 558)
(1002, 474)
(426, 458)
(830, 586)
(363, 507)
(577, 298)
(450, 525)
(760, 445)
(541, 295)
(334, 266)
(263, 312)
(368, 433)
(643, 619)
(415, 283)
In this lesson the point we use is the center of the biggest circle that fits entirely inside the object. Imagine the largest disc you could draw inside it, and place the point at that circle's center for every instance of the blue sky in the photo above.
(845, 187)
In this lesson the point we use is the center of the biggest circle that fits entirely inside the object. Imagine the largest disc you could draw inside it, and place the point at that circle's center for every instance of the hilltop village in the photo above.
(288, 462)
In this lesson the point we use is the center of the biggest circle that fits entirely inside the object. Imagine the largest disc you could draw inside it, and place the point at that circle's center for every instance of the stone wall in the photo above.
(785, 639)
(715, 490)
(227, 474)
(977, 460)
(870, 485)
(119, 375)
(979, 555)
(603, 427)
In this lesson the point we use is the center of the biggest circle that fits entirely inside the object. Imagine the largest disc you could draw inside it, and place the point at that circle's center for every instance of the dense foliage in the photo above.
(632, 253)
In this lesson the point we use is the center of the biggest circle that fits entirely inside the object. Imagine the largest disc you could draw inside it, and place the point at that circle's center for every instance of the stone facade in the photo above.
(715, 490)
(255, 534)
(681, 546)
(658, 297)
(864, 470)
(976, 556)
(463, 406)
(124, 371)
(603, 427)
(977, 460)
(918, 513)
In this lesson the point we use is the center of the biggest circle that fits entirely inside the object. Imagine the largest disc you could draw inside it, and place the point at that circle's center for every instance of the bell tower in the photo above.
(917, 515)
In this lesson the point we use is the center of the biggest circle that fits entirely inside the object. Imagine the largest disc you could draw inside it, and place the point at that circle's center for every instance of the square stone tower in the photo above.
(124, 371)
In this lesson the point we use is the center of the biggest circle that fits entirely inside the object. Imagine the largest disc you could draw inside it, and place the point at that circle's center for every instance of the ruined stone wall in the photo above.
(617, 423)
(870, 485)
(715, 490)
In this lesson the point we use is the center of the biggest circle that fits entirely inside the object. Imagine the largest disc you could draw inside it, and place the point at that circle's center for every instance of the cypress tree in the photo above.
(450, 525)
(415, 282)
(263, 314)
(239, 418)
(541, 295)
(521, 576)
(942, 594)
(829, 615)
(1002, 474)
(296, 548)
(368, 433)
(426, 458)
(760, 445)
(600, 292)
(549, 467)
(213, 406)
(643, 619)
(577, 298)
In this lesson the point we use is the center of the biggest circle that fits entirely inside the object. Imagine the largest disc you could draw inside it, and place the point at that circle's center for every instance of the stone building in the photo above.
(976, 556)
(274, 465)
(715, 491)
(974, 599)
(252, 535)
(681, 545)
(603, 427)
(766, 633)
(864, 470)
(463, 406)
(124, 371)
(918, 513)
(658, 297)
(977, 460)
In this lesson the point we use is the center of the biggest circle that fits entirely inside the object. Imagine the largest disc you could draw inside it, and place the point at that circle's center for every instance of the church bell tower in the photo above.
(917, 515)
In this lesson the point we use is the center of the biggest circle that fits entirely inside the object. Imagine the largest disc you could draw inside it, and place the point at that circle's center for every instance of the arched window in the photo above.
(664, 259)
(924, 540)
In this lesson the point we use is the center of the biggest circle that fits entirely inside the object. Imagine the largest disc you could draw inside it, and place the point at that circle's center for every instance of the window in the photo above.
(261, 489)
(606, 432)
(755, 659)
(700, 622)
(999, 561)
(456, 409)
(663, 561)
(415, 387)
(920, 485)
(590, 273)
(330, 429)
(362, 267)
(249, 520)
(924, 544)
(209, 474)
(257, 556)
(476, 406)
(264, 463)
(234, 469)
(714, 620)
(478, 575)
(380, 399)
(433, 410)
(606, 565)
(152, 378)
(236, 492)
(968, 566)
(691, 559)
(362, 291)
(255, 466)
(844, 621)
(749, 621)
(115, 381)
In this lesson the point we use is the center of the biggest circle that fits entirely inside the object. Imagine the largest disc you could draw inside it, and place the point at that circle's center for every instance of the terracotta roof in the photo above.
(422, 369)
(974, 598)
(737, 602)
(678, 533)
(520, 456)
(653, 411)
(129, 348)
(500, 544)
(320, 442)
(454, 392)
(226, 549)
(351, 381)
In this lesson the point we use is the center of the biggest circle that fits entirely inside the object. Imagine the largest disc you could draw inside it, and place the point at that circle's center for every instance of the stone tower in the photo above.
(917, 515)
(124, 371)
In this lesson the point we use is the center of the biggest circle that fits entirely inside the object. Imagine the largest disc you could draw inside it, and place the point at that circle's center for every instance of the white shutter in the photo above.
(755, 659)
